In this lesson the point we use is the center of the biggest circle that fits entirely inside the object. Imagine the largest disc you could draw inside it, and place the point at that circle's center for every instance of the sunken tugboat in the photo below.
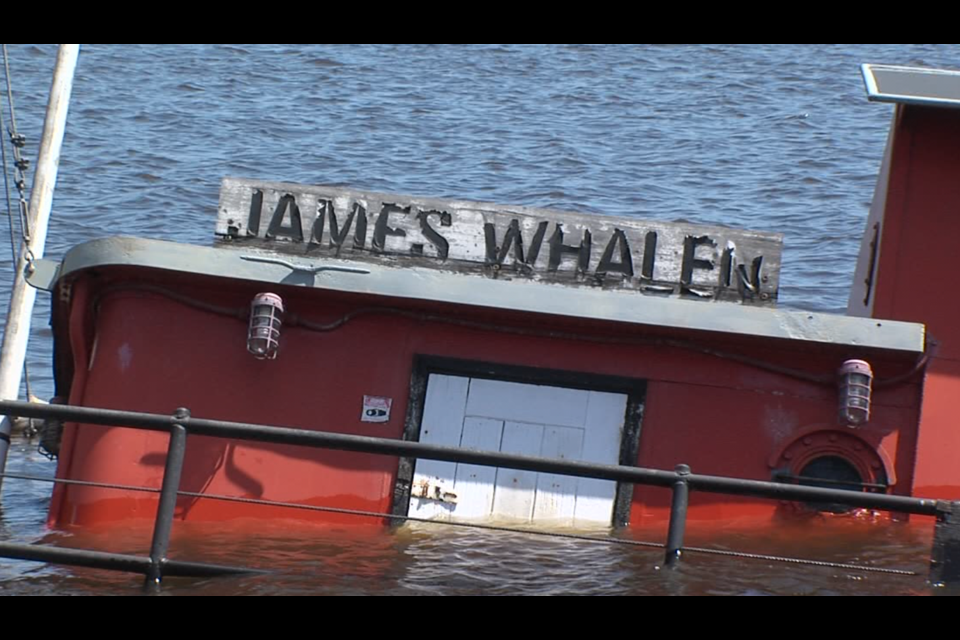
(517, 332)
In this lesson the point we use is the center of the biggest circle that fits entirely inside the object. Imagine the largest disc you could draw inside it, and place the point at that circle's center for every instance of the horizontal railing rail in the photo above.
(115, 561)
(945, 561)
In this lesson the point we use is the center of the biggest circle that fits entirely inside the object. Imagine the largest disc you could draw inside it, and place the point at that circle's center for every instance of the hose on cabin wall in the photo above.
(929, 352)
(293, 320)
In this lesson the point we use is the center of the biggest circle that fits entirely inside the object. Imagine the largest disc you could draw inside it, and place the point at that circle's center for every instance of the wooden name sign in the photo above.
(502, 241)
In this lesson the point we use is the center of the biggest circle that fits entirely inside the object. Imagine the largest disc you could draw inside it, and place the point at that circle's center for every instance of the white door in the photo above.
(524, 419)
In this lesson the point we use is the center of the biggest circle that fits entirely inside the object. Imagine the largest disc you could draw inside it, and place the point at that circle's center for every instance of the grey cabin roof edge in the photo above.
(518, 295)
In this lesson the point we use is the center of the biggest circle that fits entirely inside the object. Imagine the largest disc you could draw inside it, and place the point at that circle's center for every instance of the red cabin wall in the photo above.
(137, 350)
(916, 275)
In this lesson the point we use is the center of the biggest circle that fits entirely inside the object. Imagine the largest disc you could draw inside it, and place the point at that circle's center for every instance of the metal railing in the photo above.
(945, 556)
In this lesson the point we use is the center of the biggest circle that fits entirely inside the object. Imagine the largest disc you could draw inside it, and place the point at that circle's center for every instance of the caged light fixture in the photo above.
(263, 336)
(856, 388)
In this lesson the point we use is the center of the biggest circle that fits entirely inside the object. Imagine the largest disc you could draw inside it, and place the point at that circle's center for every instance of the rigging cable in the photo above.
(6, 180)
(20, 165)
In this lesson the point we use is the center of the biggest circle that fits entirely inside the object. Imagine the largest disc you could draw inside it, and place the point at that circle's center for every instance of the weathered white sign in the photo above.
(502, 241)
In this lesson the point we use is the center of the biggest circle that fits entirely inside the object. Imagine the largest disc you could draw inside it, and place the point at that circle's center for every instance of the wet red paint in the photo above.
(140, 351)
(917, 274)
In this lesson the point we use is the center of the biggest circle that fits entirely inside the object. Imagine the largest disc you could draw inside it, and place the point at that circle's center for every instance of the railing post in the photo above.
(945, 556)
(678, 516)
(168, 498)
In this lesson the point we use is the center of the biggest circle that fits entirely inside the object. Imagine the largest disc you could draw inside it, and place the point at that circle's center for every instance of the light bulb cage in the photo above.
(855, 386)
(266, 320)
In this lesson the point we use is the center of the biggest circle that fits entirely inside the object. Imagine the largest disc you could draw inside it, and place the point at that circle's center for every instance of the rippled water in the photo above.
(448, 561)
(766, 137)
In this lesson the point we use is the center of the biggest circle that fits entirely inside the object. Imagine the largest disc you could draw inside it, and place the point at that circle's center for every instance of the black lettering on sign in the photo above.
(437, 240)
(690, 259)
(727, 260)
(649, 255)
(558, 250)
(277, 229)
(749, 284)
(537, 243)
(512, 238)
(618, 244)
(360, 235)
(382, 230)
(339, 235)
(323, 206)
(256, 206)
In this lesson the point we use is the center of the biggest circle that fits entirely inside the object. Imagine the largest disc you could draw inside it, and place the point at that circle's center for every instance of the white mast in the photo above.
(23, 296)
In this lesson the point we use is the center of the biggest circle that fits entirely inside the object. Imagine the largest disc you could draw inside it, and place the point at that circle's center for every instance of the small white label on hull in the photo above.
(376, 409)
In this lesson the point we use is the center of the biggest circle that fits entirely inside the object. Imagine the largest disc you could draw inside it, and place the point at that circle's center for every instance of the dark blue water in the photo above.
(765, 137)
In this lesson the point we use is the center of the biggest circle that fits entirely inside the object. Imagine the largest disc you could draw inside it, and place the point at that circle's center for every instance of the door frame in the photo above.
(424, 366)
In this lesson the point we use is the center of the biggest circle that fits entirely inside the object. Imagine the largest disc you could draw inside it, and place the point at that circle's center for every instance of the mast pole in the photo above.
(22, 298)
